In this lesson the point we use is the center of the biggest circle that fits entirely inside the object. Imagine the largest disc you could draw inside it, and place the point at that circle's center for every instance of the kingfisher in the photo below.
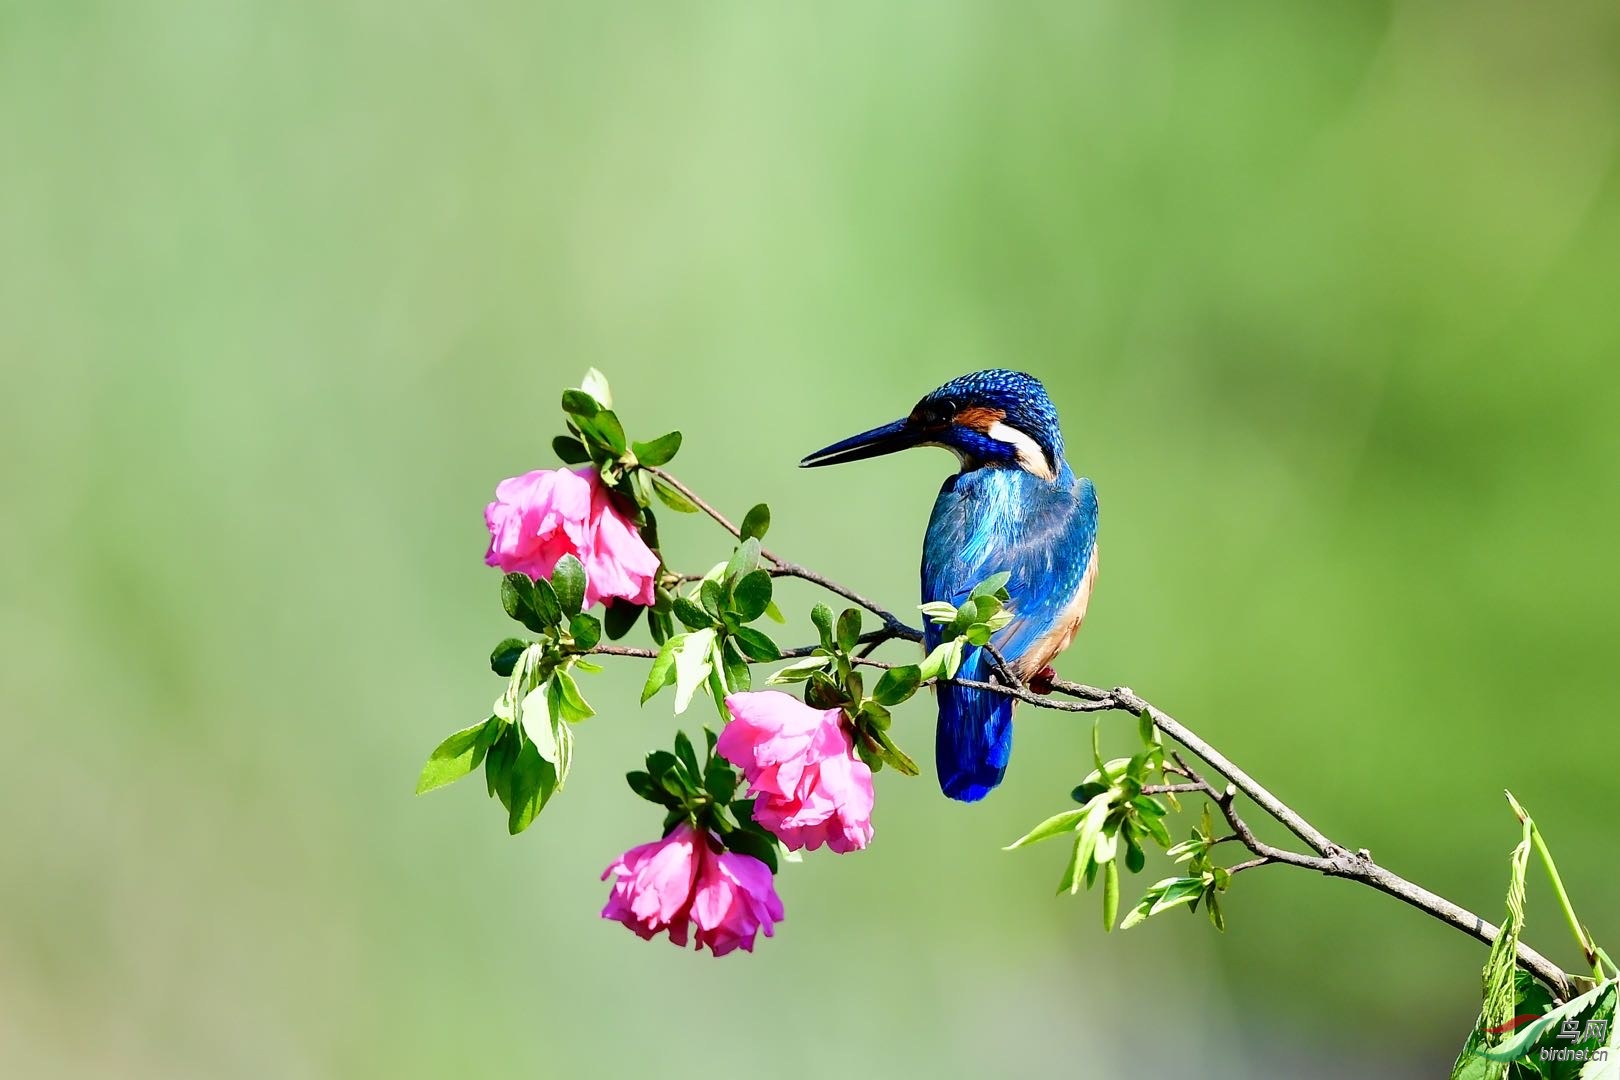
(1014, 506)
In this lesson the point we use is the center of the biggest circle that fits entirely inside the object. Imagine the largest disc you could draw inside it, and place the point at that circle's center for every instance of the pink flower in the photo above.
(680, 881)
(652, 887)
(811, 788)
(539, 517)
(735, 899)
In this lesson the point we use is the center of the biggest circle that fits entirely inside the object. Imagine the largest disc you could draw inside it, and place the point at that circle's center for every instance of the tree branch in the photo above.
(1326, 856)
(1331, 859)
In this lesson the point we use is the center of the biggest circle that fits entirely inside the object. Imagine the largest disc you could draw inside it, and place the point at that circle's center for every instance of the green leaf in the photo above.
(1055, 825)
(756, 522)
(745, 560)
(570, 450)
(1074, 873)
(709, 592)
(663, 669)
(595, 384)
(659, 451)
(673, 498)
(897, 684)
(568, 581)
(604, 429)
(664, 767)
(1181, 890)
(574, 707)
(724, 659)
(875, 715)
(752, 594)
(1110, 910)
(619, 618)
(734, 667)
(522, 600)
(564, 760)
(692, 665)
(891, 753)
(498, 763)
(1155, 827)
(758, 647)
(1186, 850)
(933, 666)
(984, 608)
(458, 755)
(541, 715)
(504, 657)
(798, 671)
(579, 404)
(754, 844)
(1144, 728)
(720, 780)
(1525, 1039)
(691, 615)
(532, 782)
(822, 616)
(991, 585)
(849, 628)
(643, 785)
(951, 658)
(687, 756)
(585, 630)
(1140, 912)
(1135, 857)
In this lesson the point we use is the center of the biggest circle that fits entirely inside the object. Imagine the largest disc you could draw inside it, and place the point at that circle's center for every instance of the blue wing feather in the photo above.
(1043, 533)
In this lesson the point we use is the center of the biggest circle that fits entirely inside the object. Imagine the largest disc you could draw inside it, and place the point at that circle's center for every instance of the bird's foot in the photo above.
(1041, 682)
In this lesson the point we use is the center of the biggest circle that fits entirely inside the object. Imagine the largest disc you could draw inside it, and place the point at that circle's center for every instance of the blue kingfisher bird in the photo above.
(1015, 506)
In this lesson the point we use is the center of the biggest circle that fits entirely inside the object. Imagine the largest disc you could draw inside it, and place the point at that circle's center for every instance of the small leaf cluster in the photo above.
(1115, 818)
(551, 609)
(1579, 1035)
(596, 436)
(1203, 883)
(703, 794)
(972, 622)
(526, 746)
(718, 643)
(832, 682)
(1572, 1034)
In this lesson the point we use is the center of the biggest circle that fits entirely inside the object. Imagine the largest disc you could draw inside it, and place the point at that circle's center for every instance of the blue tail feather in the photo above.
(974, 738)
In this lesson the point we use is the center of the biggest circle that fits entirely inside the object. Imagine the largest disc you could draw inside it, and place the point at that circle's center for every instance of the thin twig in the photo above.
(781, 567)
(1327, 857)
(1171, 789)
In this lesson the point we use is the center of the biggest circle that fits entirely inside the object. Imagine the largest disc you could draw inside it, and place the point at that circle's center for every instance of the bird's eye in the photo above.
(936, 413)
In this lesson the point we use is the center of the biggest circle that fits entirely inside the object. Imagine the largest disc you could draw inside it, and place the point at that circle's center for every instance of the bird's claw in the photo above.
(1041, 682)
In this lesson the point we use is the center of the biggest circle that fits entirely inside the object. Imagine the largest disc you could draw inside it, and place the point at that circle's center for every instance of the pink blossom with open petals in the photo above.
(539, 517)
(735, 900)
(681, 881)
(800, 764)
(652, 886)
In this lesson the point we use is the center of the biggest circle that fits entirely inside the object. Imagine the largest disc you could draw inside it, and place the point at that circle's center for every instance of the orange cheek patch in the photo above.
(980, 418)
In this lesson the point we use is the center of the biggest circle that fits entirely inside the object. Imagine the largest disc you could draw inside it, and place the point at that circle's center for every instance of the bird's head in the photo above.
(993, 418)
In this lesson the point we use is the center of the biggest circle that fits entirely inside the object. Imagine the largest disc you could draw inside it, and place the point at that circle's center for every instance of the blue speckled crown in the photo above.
(1021, 396)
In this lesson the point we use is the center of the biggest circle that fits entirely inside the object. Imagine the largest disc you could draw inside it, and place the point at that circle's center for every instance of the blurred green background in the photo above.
(1325, 293)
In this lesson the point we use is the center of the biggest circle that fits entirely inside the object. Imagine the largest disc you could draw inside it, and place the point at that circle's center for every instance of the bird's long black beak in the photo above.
(900, 435)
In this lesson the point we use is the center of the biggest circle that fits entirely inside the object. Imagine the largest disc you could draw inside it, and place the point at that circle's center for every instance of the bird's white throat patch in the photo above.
(1030, 455)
